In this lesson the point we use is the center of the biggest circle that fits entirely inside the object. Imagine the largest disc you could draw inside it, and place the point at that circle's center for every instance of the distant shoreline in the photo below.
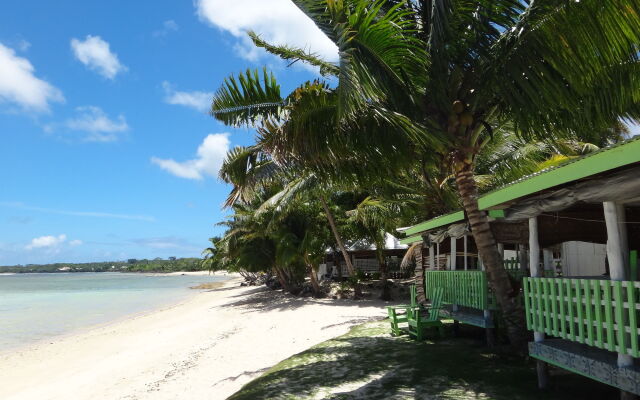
(173, 273)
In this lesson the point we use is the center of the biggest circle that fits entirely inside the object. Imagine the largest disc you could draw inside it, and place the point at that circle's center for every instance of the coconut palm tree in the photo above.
(250, 168)
(433, 79)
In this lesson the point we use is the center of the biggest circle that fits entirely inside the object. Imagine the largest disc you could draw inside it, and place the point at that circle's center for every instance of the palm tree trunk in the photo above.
(384, 276)
(336, 234)
(282, 279)
(488, 250)
(313, 271)
(356, 287)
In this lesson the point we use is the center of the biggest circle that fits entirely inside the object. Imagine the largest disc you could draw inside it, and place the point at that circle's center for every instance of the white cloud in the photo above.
(23, 45)
(96, 54)
(96, 214)
(200, 101)
(75, 242)
(209, 158)
(167, 27)
(277, 21)
(94, 124)
(46, 242)
(19, 85)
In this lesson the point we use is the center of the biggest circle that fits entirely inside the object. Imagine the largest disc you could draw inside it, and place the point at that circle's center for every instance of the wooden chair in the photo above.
(419, 318)
(398, 314)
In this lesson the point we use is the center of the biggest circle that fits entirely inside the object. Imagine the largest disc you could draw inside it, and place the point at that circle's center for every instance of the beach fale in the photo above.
(573, 234)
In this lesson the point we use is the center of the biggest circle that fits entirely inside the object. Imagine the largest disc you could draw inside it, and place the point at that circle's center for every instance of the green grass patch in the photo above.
(367, 363)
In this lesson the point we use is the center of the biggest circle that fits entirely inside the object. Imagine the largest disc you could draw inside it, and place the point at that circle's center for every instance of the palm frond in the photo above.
(247, 99)
(294, 54)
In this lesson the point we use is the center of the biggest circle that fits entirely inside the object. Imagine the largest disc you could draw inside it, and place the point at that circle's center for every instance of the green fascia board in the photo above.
(625, 153)
(598, 162)
(436, 222)
(496, 214)
(411, 239)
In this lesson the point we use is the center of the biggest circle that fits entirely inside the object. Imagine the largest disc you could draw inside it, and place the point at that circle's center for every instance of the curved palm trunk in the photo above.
(313, 276)
(488, 250)
(384, 276)
(282, 279)
(419, 274)
(343, 249)
(334, 229)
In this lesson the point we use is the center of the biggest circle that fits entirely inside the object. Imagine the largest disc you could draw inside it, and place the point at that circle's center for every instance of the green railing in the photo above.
(464, 288)
(599, 313)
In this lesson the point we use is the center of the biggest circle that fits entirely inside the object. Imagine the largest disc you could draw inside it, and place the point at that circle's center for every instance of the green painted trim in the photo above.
(464, 288)
(411, 239)
(496, 214)
(600, 317)
(436, 222)
(598, 162)
(601, 161)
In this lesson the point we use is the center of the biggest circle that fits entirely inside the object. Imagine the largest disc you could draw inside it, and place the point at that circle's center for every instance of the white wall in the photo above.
(583, 259)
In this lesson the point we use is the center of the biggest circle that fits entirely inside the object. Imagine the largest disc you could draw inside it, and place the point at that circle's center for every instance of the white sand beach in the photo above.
(204, 348)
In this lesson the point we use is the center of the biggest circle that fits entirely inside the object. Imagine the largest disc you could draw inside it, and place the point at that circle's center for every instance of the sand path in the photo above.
(204, 348)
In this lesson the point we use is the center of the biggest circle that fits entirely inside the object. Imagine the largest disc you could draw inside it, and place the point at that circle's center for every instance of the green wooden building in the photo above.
(584, 322)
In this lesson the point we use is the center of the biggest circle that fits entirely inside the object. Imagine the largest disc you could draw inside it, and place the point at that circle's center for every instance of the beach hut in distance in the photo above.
(576, 230)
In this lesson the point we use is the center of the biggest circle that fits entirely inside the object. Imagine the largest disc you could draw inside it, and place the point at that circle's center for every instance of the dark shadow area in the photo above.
(383, 367)
(263, 299)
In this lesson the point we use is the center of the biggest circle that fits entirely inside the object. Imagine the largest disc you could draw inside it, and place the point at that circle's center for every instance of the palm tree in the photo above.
(210, 259)
(251, 168)
(435, 78)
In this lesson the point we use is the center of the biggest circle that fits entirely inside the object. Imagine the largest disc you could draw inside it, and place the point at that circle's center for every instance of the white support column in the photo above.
(437, 255)
(534, 260)
(432, 257)
(624, 238)
(547, 260)
(501, 250)
(615, 255)
(534, 265)
(466, 262)
(452, 257)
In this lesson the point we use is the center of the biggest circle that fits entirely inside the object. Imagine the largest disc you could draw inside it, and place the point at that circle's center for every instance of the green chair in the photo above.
(398, 314)
(419, 318)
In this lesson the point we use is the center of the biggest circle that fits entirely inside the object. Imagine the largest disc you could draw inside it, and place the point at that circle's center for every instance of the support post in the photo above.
(524, 257)
(432, 257)
(452, 257)
(547, 260)
(437, 255)
(534, 265)
(466, 262)
(616, 232)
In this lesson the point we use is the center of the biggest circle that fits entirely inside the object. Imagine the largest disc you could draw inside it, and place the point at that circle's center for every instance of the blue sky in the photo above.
(108, 151)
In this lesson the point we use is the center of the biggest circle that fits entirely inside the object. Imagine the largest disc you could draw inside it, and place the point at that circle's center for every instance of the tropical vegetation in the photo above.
(431, 102)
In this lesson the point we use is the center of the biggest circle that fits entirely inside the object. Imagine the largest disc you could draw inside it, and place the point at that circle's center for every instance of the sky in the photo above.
(108, 151)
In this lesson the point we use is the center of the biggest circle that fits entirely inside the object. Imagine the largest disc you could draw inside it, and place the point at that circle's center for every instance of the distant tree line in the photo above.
(172, 264)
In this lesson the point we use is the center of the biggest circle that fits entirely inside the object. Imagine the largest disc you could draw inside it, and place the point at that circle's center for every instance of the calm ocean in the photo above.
(35, 307)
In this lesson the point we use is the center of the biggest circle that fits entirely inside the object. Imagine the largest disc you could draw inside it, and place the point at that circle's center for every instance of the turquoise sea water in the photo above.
(35, 307)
